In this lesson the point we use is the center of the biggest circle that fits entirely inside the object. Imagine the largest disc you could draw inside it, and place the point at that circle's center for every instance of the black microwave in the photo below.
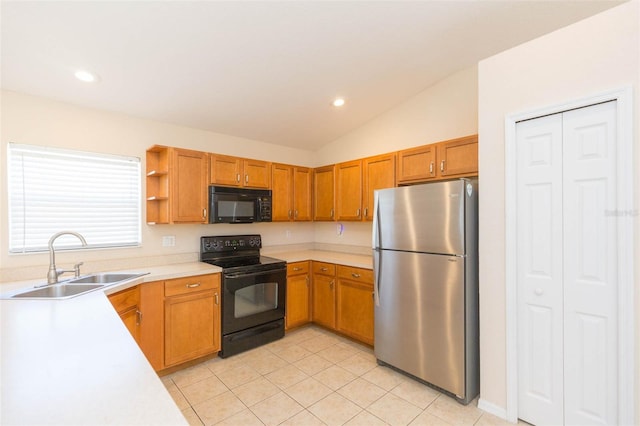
(237, 205)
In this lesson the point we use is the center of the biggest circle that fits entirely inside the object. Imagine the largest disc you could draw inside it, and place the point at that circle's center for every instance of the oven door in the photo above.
(251, 299)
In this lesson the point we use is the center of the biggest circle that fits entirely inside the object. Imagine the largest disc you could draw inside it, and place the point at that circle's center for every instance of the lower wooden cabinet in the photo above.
(298, 292)
(324, 294)
(354, 303)
(191, 318)
(175, 320)
(126, 303)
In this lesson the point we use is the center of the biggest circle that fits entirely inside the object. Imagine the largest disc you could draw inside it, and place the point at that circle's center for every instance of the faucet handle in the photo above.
(76, 268)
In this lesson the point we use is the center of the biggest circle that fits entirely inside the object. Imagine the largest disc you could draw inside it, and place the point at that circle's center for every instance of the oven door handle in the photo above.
(251, 274)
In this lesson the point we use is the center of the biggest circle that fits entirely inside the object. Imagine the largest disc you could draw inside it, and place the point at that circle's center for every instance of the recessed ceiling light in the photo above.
(86, 76)
(338, 102)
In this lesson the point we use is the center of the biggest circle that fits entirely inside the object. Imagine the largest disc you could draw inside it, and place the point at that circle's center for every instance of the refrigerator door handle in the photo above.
(376, 224)
(377, 264)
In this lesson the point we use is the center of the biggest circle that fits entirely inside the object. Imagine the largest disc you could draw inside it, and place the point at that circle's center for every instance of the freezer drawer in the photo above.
(420, 316)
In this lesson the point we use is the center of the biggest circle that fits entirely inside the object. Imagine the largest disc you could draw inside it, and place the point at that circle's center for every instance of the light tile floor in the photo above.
(312, 377)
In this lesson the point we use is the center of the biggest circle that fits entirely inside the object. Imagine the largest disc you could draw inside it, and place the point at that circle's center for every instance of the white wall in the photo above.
(445, 110)
(591, 56)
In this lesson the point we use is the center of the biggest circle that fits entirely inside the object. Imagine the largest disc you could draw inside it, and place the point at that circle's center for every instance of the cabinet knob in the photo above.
(538, 291)
(354, 275)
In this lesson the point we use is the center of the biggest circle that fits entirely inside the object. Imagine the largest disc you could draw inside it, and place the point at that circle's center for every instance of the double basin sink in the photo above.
(74, 286)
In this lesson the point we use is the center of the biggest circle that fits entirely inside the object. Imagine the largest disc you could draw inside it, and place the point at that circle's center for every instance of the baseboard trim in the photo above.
(491, 408)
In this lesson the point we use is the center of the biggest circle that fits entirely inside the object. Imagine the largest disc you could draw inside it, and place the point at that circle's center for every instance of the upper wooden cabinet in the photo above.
(458, 157)
(443, 160)
(417, 164)
(378, 172)
(349, 190)
(233, 171)
(176, 185)
(323, 193)
(291, 191)
(356, 181)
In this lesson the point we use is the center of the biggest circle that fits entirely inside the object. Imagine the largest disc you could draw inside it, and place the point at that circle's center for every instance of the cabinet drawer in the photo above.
(298, 268)
(324, 268)
(191, 284)
(125, 299)
(355, 274)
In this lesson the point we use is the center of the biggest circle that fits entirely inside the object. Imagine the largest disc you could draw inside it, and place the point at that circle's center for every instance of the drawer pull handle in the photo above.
(193, 285)
(217, 301)
(297, 268)
(324, 269)
(354, 275)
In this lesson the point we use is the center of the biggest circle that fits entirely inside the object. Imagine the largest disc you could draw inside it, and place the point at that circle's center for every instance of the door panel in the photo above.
(590, 278)
(539, 236)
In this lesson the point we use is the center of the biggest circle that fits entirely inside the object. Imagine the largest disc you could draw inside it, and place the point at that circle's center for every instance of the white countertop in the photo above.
(358, 260)
(74, 362)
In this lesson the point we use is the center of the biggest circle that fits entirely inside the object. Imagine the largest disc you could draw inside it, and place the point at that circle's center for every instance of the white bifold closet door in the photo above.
(566, 270)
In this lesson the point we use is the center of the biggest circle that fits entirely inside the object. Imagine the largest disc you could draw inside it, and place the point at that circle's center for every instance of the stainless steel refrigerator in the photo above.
(425, 256)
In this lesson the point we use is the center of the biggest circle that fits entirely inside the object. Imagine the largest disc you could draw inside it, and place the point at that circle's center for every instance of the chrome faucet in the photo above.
(53, 274)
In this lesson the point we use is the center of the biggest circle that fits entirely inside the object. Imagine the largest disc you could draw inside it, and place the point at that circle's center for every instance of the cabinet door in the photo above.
(354, 312)
(192, 326)
(282, 188)
(349, 190)
(131, 320)
(378, 173)
(188, 186)
(417, 164)
(302, 193)
(324, 301)
(225, 170)
(298, 291)
(458, 157)
(257, 174)
(323, 199)
(152, 323)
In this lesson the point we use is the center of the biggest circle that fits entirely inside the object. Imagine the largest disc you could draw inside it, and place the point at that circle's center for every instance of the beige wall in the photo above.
(591, 56)
(37, 121)
(446, 110)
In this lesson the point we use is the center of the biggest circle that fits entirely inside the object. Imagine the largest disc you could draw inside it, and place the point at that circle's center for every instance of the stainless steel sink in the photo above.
(73, 287)
(58, 291)
(105, 278)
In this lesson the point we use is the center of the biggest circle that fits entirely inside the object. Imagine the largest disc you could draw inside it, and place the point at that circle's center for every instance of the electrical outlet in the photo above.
(168, 241)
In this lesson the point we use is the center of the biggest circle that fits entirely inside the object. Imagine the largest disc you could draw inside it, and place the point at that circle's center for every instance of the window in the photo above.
(53, 190)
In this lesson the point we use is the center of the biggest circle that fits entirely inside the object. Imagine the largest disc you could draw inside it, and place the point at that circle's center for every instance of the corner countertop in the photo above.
(73, 361)
(357, 260)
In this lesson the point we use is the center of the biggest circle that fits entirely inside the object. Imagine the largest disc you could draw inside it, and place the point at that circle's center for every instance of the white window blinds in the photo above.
(53, 190)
